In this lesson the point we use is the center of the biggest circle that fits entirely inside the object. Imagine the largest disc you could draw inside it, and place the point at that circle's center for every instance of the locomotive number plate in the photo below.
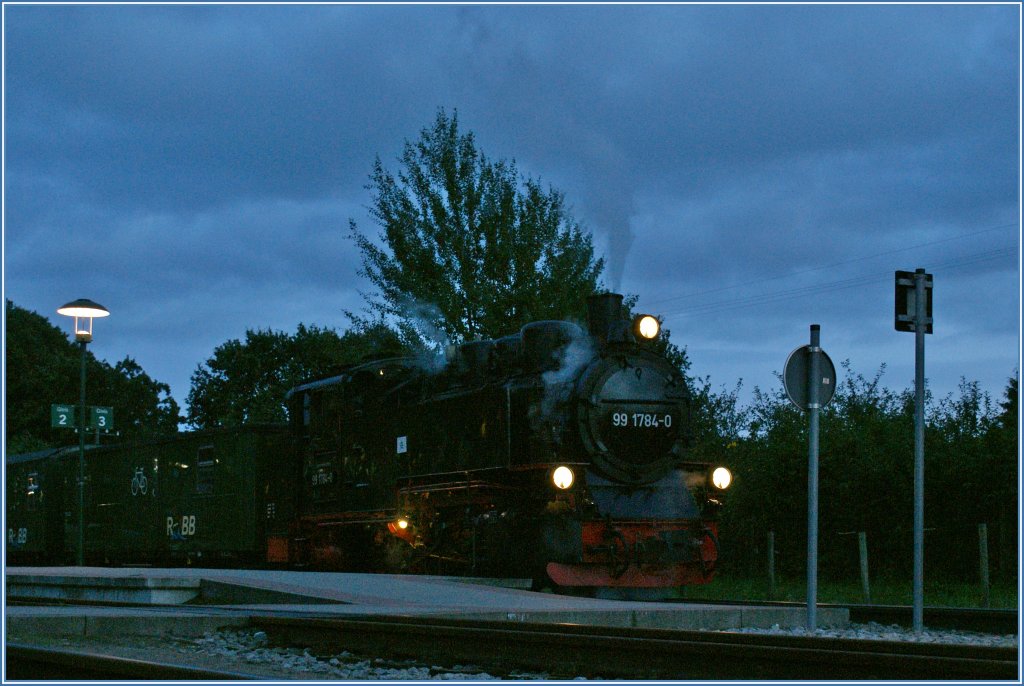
(646, 420)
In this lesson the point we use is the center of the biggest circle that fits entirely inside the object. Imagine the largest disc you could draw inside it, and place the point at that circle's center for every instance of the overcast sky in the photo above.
(746, 170)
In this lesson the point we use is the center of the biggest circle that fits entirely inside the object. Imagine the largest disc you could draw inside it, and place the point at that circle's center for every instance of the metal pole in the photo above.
(771, 565)
(920, 326)
(81, 462)
(814, 407)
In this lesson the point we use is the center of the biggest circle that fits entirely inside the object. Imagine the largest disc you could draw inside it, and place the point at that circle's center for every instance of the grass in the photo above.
(937, 593)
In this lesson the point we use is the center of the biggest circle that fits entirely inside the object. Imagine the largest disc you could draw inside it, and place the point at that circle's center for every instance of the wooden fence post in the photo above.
(865, 587)
(983, 562)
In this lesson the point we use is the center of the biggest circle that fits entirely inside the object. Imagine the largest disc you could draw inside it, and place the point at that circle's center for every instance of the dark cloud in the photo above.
(194, 167)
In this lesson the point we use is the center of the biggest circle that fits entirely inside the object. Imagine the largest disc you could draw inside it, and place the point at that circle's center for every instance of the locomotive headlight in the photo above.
(402, 528)
(647, 327)
(399, 526)
(721, 478)
(563, 477)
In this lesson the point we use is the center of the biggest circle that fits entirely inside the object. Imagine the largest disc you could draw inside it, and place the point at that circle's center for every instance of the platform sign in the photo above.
(101, 418)
(62, 416)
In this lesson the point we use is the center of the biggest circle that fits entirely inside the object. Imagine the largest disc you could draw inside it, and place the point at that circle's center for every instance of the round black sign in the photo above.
(798, 369)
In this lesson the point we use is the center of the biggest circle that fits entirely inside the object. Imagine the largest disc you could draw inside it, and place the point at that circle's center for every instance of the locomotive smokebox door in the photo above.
(631, 416)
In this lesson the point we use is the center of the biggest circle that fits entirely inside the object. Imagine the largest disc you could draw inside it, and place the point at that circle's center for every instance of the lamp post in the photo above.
(83, 311)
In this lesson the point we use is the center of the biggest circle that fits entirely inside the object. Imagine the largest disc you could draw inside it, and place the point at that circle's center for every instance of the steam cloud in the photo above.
(425, 320)
(571, 361)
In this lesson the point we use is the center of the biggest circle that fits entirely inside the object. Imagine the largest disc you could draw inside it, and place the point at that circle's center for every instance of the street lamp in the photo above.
(83, 311)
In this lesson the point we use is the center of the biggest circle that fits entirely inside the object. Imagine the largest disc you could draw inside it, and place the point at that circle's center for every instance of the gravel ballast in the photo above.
(252, 647)
(894, 632)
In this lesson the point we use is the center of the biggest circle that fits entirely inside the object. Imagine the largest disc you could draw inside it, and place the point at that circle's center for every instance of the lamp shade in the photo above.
(83, 308)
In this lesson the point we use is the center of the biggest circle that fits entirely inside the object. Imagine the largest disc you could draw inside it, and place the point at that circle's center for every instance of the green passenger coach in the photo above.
(209, 497)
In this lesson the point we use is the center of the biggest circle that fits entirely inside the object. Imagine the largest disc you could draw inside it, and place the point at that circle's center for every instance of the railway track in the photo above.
(563, 651)
(566, 651)
(574, 650)
(28, 662)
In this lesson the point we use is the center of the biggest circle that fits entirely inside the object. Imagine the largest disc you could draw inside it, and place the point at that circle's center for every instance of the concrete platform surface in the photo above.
(204, 597)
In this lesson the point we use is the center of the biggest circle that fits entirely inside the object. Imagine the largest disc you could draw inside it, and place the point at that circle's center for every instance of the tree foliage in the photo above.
(468, 248)
(865, 482)
(246, 381)
(43, 368)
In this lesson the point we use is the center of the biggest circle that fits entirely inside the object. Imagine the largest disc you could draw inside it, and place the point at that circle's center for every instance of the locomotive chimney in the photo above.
(603, 309)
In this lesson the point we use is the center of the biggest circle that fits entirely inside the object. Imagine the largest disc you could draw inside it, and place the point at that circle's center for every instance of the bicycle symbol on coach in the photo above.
(139, 482)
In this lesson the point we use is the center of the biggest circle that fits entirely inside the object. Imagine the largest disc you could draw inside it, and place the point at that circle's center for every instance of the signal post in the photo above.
(810, 380)
(914, 313)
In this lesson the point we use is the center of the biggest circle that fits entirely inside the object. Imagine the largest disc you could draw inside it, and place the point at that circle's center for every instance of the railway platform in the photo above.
(192, 601)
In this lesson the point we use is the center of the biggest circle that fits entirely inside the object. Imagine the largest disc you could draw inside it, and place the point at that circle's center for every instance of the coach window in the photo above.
(205, 465)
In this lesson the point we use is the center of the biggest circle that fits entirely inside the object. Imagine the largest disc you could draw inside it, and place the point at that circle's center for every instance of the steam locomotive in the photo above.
(556, 454)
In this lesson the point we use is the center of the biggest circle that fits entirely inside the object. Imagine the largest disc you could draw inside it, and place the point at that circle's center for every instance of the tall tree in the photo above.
(246, 381)
(469, 248)
(43, 369)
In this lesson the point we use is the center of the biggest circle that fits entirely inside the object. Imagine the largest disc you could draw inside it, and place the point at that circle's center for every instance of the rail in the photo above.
(576, 650)
(26, 662)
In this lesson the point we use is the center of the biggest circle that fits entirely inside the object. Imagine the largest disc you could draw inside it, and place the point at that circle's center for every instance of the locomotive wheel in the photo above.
(397, 555)
(619, 561)
(541, 582)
